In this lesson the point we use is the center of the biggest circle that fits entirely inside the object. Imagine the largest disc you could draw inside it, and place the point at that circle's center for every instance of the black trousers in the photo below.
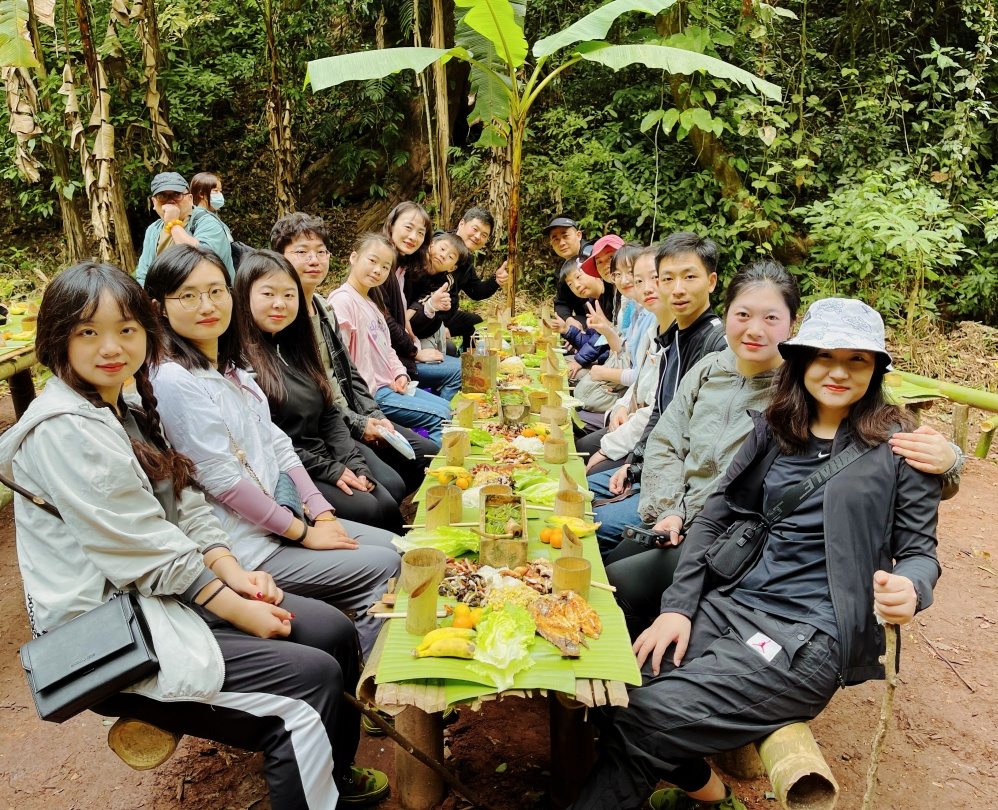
(280, 696)
(727, 693)
(374, 508)
(462, 324)
(400, 475)
(641, 575)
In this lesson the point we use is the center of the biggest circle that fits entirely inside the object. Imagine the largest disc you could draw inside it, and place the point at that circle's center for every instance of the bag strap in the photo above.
(796, 494)
(35, 499)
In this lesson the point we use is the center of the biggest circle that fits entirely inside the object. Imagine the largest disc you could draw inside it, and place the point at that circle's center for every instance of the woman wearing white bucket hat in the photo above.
(758, 646)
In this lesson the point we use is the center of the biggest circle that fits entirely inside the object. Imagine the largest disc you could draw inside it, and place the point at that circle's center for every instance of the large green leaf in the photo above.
(15, 47)
(351, 67)
(596, 25)
(491, 89)
(496, 21)
(674, 60)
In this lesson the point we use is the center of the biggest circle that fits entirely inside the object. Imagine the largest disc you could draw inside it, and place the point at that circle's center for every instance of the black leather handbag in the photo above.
(89, 658)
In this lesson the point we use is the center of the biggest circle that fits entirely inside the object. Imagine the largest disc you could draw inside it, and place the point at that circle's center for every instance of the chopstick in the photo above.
(451, 526)
(551, 509)
(401, 615)
(603, 587)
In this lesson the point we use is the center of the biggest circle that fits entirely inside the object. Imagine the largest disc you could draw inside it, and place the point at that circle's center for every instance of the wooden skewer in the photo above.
(603, 586)
(551, 509)
(452, 525)
(401, 614)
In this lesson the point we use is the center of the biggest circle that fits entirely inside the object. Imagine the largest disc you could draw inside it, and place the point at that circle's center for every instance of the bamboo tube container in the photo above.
(569, 503)
(538, 399)
(800, 776)
(453, 447)
(565, 481)
(140, 745)
(422, 571)
(571, 545)
(572, 574)
(438, 507)
(555, 451)
(556, 414)
(984, 442)
(465, 413)
(492, 489)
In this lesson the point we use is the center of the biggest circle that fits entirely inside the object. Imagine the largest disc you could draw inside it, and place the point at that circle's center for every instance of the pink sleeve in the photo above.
(247, 500)
(310, 495)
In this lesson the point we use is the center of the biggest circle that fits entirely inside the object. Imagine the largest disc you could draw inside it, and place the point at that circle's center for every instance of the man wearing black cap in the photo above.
(567, 241)
(180, 223)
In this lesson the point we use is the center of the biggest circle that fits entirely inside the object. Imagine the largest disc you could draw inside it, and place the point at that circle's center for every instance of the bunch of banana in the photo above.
(27, 335)
(450, 475)
(18, 309)
(578, 525)
(447, 642)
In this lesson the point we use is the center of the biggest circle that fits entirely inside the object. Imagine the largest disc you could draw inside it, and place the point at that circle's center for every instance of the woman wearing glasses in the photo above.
(215, 414)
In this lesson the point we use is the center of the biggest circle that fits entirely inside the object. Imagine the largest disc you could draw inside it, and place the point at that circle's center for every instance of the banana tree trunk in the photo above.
(516, 134)
(442, 104)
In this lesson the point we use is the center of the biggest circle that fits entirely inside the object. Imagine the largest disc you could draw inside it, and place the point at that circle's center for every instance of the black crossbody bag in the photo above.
(740, 546)
(89, 658)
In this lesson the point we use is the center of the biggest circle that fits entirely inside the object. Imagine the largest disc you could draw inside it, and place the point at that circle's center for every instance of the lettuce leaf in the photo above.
(481, 438)
(502, 646)
(451, 541)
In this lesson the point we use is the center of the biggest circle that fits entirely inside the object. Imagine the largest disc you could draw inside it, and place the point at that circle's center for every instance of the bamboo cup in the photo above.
(557, 414)
(572, 574)
(465, 415)
(439, 512)
(569, 503)
(555, 451)
(571, 545)
(453, 447)
(492, 489)
(465, 435)
(538, 399)
(422, 571)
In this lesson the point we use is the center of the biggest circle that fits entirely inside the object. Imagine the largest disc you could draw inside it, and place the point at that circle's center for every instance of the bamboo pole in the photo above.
(886, 709)
(800, 776)
(984, 400)
(961, 418)
(984, 442)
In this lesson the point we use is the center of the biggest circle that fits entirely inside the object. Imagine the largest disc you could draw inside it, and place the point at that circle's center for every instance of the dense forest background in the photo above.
(874, 175)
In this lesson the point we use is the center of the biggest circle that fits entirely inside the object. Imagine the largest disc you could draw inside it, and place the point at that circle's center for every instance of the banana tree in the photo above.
(507, 86)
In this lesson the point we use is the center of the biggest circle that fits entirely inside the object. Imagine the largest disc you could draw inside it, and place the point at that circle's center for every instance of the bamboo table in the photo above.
(15, 367)
(418, 705)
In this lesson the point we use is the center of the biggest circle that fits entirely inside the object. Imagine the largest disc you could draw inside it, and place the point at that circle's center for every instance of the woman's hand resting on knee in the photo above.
(894, 597)
(328, 534)
(667, 629)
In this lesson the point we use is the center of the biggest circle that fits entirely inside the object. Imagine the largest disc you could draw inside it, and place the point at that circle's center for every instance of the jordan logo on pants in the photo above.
(764, 645)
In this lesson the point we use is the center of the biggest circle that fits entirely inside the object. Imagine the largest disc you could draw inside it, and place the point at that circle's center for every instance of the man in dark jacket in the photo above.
(572, 248)
(475, 230)
(303, 240)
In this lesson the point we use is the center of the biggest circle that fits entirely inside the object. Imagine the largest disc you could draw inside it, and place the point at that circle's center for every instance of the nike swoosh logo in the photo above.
(824, 455)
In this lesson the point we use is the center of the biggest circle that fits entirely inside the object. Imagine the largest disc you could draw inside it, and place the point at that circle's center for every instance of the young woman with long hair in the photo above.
(278, 342)
(365, 333)
(240, 661)
(215, 413)
(408, 228)
(748, 656)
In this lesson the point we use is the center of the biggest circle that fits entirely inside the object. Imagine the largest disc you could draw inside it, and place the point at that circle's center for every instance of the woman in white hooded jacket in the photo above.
(240, 661)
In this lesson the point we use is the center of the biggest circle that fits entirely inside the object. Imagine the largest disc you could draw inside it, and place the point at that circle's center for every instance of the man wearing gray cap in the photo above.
(180, 223)
(567, 241)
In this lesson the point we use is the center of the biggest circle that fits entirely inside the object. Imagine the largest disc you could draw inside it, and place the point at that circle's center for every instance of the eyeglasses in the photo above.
(305, 255)
(192, 299)
(169, 197)
(621, 275)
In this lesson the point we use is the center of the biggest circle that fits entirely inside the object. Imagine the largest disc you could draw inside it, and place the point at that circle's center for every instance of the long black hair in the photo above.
(166, 275)
(72, 298)
(295, 344)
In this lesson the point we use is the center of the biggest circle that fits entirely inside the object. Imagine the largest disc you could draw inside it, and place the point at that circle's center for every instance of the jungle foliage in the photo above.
(874, 175)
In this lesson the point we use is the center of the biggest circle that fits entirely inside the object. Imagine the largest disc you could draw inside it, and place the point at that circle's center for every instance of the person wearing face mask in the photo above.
(206, 189)
(180, 222)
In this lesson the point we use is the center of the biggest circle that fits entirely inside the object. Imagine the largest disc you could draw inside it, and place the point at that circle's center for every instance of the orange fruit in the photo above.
(463, 621)
(556, 539)
(543, 437)
(462, 483)
(529, 433)
(545, 535)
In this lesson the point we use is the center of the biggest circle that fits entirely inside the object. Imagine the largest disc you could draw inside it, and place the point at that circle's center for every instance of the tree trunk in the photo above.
(107, 200)
(279, 124)
(77, 245)
(517, 131)
(499, 179)
(147, 29)
(442, 106)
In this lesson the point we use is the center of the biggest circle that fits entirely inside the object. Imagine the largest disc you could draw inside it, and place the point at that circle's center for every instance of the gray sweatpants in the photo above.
(349, 579)
(725, 694)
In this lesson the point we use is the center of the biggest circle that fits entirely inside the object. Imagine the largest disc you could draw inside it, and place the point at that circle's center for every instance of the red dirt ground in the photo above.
(942, 750)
